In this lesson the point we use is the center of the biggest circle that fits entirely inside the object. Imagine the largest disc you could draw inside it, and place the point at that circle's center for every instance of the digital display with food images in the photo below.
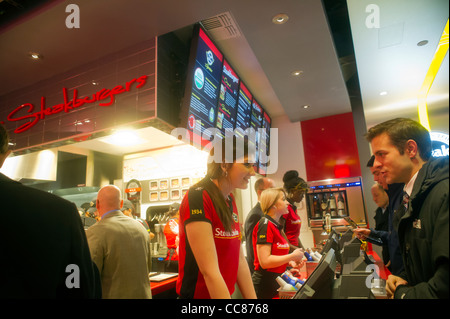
(153, 196)
(174, 183)
(163, 184)
(153, 185)
(163, 195)
(175, 194)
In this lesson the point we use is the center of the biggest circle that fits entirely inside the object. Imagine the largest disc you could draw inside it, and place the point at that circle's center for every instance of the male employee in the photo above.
(402, 149)
(43, 245)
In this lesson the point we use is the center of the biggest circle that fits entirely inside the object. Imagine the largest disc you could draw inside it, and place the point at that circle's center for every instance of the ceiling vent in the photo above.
(222, 26)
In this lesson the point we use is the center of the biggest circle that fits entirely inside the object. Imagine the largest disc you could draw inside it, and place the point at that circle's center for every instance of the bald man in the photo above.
(120, 247)
(253, 218)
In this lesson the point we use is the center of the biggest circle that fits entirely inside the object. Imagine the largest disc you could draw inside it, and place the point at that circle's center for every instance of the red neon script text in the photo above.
(68, 105)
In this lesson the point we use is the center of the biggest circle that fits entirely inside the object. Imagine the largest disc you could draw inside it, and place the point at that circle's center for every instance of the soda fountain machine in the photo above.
(330, 202)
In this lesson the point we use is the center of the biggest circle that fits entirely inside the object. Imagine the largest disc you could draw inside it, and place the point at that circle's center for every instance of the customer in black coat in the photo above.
(402, 149)
(43, 247)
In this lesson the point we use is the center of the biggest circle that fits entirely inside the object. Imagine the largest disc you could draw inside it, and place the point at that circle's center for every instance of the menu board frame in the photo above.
(202, 87)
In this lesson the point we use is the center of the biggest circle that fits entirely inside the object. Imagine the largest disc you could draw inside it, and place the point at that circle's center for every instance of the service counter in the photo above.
(164, 289)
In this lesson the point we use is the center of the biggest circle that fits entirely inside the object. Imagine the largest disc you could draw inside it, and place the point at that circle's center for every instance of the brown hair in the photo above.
(400, 130)
(215, 171)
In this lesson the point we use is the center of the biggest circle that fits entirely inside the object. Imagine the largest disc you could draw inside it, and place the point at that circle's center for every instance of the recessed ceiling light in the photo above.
(383, 93)
(422, 43)
(296, 73)
(280, 18)
(94, 82)
(306, 106)
(35, 55)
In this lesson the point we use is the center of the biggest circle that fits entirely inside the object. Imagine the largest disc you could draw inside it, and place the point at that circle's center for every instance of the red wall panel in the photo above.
(330, 148)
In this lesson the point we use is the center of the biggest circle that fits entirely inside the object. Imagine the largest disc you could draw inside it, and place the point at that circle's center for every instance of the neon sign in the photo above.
(107, 96)
(439, 144)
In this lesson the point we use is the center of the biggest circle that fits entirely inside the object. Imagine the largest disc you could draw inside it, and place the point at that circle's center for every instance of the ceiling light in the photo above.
(35, 55)
(422, 43)
(280, 18)
(123, 138)
(306, 106)
(93, 82)
(383, 93)
(296, 73)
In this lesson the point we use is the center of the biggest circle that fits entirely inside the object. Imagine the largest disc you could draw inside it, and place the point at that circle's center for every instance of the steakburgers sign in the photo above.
(28, 115)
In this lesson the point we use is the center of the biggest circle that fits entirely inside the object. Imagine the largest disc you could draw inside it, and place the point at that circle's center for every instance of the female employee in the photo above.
(270, 246)
(295, 188)
(211, 260)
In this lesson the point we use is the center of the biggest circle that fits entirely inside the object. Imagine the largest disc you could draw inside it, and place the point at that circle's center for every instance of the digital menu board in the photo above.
(227, 104)
(216, 98)
(263, 148)
(244, 108)
(205, 87)
(256, 117)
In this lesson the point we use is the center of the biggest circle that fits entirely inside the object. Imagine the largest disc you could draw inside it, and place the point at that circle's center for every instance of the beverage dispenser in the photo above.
(330, 201)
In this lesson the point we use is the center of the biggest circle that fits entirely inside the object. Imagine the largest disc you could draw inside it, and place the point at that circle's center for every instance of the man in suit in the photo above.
(120, 247)
(253, 218)
(43, 245)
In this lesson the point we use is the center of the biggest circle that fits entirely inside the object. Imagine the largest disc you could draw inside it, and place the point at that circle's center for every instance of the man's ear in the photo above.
(411, 149)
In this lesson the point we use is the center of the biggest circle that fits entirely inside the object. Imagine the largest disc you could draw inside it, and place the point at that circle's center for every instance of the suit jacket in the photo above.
(43, 247)
(120, 247)
(252, 219)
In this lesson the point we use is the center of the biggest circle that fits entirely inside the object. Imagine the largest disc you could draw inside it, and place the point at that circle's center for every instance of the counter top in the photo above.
(162, 286)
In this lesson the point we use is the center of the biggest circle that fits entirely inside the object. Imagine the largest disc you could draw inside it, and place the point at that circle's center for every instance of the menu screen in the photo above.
(205, 88)
(228, 95)
(244, 108)
(264, 145)
(256, 123)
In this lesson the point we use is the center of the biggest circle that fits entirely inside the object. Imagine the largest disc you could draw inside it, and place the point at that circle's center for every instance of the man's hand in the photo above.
(362, 233)
(392, 283)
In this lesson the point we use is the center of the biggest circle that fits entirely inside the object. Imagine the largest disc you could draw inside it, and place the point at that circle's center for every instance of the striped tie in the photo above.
(405, 201)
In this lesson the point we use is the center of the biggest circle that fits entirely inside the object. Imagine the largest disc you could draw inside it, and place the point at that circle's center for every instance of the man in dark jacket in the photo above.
(253, 218)
(43, 246)
(402, 149)
(390, 237)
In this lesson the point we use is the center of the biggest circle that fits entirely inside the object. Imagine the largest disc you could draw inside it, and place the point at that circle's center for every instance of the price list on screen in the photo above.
(205, 86)
(227, 104)
(244, 108)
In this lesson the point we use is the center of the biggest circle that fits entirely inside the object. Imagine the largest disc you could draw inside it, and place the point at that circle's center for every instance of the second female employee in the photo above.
(270, 245)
